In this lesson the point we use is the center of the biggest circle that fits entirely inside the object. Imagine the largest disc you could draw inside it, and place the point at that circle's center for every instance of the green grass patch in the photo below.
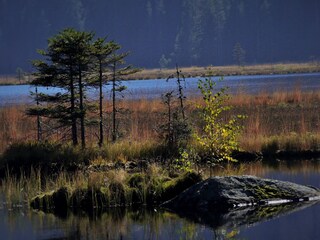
(136, 189)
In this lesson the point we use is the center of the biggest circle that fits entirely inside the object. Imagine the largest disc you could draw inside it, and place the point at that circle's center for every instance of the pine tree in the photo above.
(66, 62)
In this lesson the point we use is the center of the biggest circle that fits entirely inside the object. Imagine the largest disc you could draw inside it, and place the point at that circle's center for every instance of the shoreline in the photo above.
(233, 70)
(208, 71)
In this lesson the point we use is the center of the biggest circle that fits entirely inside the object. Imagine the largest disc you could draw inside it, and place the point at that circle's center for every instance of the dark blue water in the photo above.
(303, 224)
(155, 87)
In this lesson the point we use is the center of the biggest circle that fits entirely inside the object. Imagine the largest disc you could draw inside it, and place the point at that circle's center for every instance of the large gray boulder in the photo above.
(220, 194)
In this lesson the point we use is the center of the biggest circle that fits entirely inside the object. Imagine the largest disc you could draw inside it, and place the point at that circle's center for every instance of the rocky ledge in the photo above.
(220, 194)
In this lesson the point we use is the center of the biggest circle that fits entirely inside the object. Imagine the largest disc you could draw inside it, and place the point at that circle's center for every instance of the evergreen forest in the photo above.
(161, 33)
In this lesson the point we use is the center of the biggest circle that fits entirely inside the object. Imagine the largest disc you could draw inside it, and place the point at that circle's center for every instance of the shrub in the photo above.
(219, 137)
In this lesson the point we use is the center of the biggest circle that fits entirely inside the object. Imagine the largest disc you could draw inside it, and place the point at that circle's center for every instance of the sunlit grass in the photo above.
(194, 71)
(126, 150)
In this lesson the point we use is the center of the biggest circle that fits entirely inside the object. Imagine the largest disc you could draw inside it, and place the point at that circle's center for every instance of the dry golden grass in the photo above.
(15, 126)
(194, 71)
(14, 80)
(290, 118)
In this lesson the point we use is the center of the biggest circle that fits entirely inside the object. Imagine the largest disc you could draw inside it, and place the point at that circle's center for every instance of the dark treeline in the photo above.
(163, 32)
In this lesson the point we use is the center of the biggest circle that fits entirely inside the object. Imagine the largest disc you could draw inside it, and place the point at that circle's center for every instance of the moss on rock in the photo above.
(54, 201)
(176, 186)
(262, 192)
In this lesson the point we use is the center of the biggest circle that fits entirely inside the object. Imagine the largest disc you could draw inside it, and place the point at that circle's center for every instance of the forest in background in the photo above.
(161, 33)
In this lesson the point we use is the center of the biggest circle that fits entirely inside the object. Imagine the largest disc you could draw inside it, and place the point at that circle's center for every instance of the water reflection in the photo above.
(292, 221)
(115, 224)
(244, 217)
(145, 224)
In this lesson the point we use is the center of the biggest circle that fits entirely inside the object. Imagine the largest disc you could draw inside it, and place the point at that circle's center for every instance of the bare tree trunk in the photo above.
(181, 96)
(38, 119)
(73, 115)
(114, 131)
(100, 104)
(170, 133)
(82, 112)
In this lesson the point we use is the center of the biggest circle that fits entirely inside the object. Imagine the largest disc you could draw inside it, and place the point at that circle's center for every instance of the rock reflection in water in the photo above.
(141, 223)
(244, 216)
(227, 225)
(157, 224)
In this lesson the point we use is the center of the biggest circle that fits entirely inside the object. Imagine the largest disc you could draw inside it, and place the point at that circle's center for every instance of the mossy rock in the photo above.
(55, 201)
(42, 202)
(225, 193)
(270, 192)
(60, 199)
(154, 191)
(136, 180)
(176, 186)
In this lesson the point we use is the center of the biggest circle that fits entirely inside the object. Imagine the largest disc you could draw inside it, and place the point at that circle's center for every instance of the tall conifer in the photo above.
(66, 62)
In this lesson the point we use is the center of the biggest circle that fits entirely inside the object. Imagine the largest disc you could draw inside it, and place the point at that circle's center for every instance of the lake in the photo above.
(277, 222)
(282, 222)
(153, 88)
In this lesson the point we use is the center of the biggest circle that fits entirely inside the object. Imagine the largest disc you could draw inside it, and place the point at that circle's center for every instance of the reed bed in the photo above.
(15, 126)
(291, 119)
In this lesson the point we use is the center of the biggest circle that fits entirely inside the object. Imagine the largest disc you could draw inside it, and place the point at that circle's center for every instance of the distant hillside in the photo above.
(163, 32)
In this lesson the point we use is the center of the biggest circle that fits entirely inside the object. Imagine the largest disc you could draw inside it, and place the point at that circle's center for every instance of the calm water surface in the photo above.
(155, 87)
(283, 222)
